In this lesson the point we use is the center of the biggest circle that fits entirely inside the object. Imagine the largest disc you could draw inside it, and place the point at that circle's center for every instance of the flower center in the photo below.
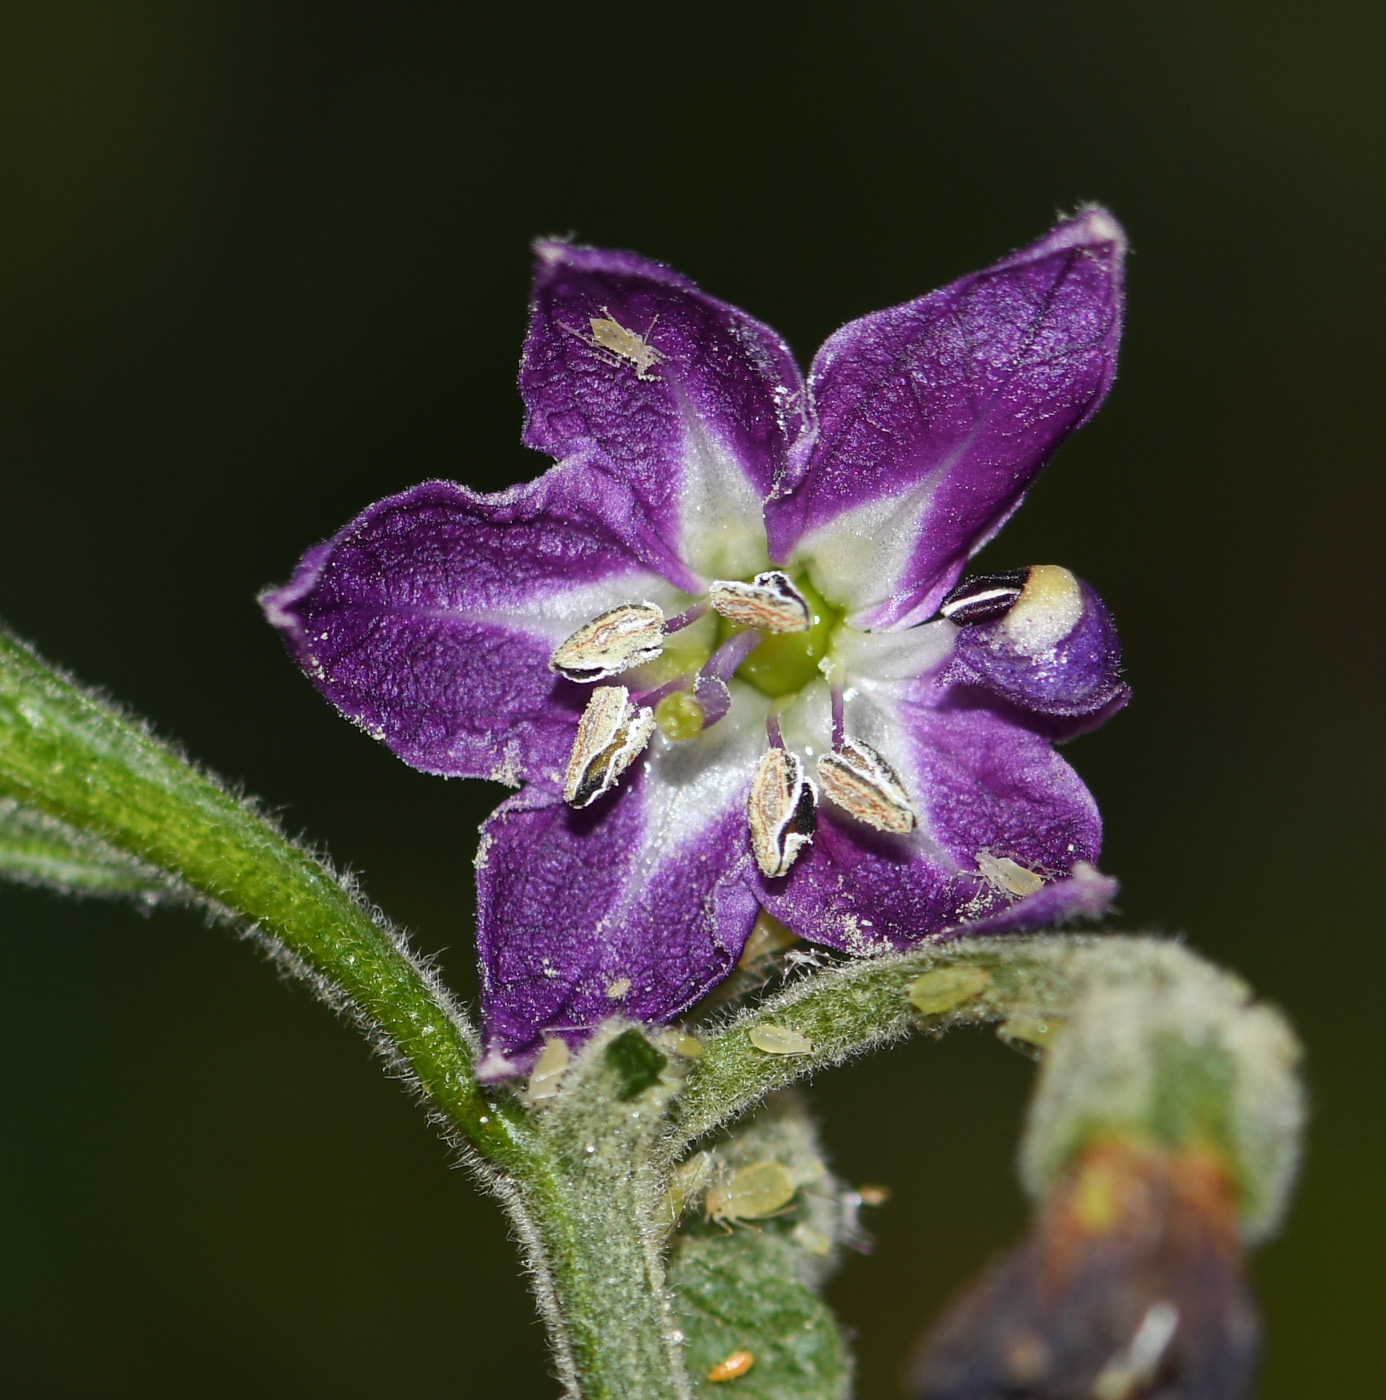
(785, 662)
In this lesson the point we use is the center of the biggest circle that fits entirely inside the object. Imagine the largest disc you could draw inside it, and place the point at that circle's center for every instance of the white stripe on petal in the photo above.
(721, 521)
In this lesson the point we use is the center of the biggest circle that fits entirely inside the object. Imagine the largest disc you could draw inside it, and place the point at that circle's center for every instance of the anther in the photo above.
(984, 598)
(610, 736)
(611, 643)
(865, 786)
(770, 603)
(782, 811)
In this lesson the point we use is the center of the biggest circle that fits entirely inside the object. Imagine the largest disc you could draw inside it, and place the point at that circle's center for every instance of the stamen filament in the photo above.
(710, 689)
(686, 618)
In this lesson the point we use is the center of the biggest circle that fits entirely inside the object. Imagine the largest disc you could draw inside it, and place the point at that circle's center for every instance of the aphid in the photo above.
(782, 811)
(861, 782)
(548, 1071)
(947, 987)
(796, 958)
(1006, 876)
(614, 343)
(613, 642)
(755, 1192)
(768, 937)
(610, 736)
(873, 1196)
(769, 602)
(728, 1369)
(618, 989)
(686, 1183)
(815, 1241)
(779, 1040)
(1030, 1034)
(984, 598)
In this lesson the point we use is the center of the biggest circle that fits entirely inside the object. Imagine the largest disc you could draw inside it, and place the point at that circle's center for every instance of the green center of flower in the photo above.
(786, 662)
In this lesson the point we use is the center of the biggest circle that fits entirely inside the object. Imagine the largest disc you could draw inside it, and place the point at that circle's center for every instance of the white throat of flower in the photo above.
(619, 722)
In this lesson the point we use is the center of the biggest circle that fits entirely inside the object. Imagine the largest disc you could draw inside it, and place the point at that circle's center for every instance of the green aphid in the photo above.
(754, 1193)
(947, 987)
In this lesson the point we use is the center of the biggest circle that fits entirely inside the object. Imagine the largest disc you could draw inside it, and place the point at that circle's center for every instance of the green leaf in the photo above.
(755, 1289)
(738, 1293)
(36, 849)
(636, 1063)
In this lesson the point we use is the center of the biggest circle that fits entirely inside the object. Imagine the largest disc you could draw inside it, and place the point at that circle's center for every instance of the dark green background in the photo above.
(261, 264)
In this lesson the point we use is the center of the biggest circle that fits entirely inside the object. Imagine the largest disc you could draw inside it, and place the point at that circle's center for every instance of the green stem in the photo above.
(592, 1189)
(864, 1005)
(68, 755)
(607, 1305)
(1142, 1039)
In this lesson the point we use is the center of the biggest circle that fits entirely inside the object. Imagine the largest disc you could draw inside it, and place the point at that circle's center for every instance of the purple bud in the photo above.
(1128, 1287)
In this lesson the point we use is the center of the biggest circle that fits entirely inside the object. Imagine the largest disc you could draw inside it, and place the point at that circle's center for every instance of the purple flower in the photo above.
(722, 643)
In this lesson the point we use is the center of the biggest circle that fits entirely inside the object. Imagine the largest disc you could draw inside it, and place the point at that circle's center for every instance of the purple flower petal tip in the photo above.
(1054, 653)
(1085, 893)
(935, 416)
(707, 645)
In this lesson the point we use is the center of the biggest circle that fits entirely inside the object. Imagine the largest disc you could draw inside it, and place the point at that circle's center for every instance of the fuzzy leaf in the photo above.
(40, 850)
(755, 1290)
(737, 1292)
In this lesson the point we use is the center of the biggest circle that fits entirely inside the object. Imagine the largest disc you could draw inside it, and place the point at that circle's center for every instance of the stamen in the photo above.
(685, 618)
(1050, 607)
(782, 811)
(770, 602)
(610, 736)
(611, 643)
(710, 688)
(984, 598)
(865, 786)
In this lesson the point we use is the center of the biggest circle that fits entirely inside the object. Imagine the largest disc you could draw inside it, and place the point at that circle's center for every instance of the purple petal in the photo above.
(637, 905)
(686, 401)
(984, 786)
(429, 619)
(1059, 658)
(934, 417)
(1086, 893)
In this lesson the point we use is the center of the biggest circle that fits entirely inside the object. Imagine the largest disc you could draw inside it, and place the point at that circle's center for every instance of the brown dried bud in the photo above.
(1128, 1287)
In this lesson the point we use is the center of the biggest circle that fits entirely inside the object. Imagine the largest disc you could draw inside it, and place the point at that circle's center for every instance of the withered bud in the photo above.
(1128, 1287)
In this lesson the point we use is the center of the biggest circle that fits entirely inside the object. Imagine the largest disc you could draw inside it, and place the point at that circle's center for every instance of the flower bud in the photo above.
(1128, 1287)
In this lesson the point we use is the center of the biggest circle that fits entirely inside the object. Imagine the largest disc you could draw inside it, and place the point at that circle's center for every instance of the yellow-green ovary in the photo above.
(786, 662)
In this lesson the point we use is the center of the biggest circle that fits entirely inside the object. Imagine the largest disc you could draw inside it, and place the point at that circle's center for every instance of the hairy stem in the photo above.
(592, 1191)
(849, 1010)
(75, 759)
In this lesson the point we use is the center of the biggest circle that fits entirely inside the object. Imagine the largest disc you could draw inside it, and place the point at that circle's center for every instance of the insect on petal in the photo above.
(611, 643)
(1007, 876)
(863, 784)
(769, 602)
(782, 811)
(610, 736)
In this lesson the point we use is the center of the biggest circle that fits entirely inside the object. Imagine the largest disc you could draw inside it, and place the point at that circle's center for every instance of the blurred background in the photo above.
(263, 263)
